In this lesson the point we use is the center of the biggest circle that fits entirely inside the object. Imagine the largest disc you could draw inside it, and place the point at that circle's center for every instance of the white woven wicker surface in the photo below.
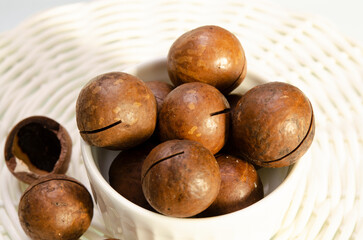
(46, 60)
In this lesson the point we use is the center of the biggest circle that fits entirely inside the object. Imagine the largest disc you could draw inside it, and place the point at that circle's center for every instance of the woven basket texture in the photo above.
(45, 61)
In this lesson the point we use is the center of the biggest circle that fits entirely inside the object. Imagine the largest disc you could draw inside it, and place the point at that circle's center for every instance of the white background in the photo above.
(346, 15)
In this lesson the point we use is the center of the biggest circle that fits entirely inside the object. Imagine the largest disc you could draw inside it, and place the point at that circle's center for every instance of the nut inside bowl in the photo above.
(125, 220)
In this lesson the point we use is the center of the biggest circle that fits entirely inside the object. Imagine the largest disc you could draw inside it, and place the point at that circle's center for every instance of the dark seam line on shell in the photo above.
(227, 110)
(232, 84)
(222, 90)
(48, 180)
(307, 134)
(101, 129)
(163, 159)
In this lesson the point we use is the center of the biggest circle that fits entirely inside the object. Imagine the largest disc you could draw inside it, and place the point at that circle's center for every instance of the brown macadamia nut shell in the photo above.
(195, 111)
(273, 125)
(208, 54)
(125, 173)
(116, 111)
(180, 178)
(241, 186)
(55, 207)
(160, 91)
(40, 132)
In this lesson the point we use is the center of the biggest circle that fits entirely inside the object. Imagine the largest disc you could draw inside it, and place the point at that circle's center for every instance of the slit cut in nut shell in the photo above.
(273, 125)
(55, 207)
(180, 178)
(116, 111)
(198, 112)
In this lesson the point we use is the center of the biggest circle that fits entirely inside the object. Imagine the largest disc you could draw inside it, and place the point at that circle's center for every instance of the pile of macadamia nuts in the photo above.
(186, 150)
(189, 149)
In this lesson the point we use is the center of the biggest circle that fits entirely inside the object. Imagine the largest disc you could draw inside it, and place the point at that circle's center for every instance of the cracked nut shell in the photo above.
(195, 111)
(116, 111)
(37, 146)
(208, 54)
(55, 207)
(180, 178)
(273, 125)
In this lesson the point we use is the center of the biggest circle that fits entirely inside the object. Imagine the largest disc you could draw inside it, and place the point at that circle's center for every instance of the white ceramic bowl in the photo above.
(127, 221)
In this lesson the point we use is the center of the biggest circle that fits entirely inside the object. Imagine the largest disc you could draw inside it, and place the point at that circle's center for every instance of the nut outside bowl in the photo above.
(127, 221)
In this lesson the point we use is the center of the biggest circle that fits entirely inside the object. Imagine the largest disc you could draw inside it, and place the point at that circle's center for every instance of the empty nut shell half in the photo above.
(55, 207)
(37, 146)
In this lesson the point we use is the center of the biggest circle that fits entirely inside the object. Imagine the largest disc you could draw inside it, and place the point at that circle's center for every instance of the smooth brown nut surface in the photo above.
(37, 146)
(116, 111)
(180, 178)
(195, 111)
(160, 90)
(208, 54)
(273, 125)
(240, 186)
(125, 173)
(55, 207)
